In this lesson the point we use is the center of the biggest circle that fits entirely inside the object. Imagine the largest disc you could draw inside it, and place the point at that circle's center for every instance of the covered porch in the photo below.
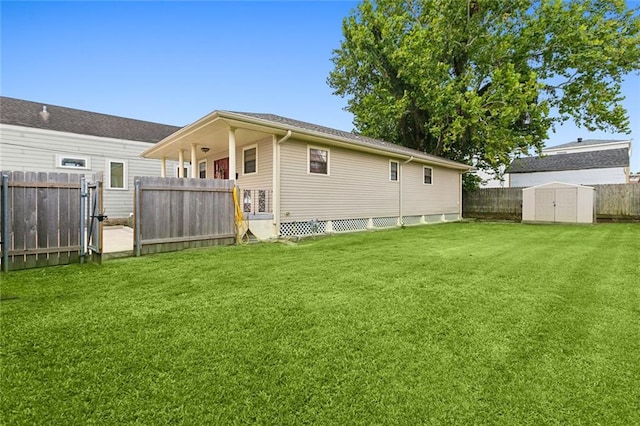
(211, 137)
(221, 146)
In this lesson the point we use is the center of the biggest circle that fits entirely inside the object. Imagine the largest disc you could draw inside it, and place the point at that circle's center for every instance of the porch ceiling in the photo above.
(213, 135)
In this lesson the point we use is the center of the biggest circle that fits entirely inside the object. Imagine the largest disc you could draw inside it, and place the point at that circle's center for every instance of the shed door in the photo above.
(545, 209)
(566, 204)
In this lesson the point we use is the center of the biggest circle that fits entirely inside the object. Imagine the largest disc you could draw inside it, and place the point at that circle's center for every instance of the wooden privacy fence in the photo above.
(616, 201)
(43, 218)
(176, 213)
(498, 202)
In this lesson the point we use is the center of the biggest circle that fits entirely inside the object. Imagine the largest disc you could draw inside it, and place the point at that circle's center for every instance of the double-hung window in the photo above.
(393, 171)
(318, 160)
(428, 175)
(250, 160)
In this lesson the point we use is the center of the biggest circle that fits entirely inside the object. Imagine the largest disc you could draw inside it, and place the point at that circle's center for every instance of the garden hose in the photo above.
(242, 237)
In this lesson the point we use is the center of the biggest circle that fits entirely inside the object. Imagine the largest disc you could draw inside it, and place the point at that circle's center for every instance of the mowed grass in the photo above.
(467, 323)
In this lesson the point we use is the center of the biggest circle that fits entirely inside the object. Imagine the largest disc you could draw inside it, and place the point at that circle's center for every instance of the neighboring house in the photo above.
(490, 180)
(634, 178)
(301, 178)
(46, 138)
(583, 162)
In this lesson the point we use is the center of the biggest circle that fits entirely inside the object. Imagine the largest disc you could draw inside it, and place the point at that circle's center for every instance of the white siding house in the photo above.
(298, 177)
(45, 138)
(583, 162)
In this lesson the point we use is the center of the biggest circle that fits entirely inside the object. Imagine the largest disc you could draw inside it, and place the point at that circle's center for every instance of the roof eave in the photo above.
(237, 120)
(346, 142)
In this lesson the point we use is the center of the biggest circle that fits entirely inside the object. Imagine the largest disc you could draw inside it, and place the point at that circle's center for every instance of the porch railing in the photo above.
(257, 201)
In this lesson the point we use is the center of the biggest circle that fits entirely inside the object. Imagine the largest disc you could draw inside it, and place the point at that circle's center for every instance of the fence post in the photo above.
(83, 195)
(137, 213)
(5, 223)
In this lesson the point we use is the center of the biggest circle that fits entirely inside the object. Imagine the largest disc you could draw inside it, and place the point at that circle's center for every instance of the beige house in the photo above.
(299, 178)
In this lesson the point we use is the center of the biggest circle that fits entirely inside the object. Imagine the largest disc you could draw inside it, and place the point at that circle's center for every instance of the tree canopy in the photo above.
(477, 80)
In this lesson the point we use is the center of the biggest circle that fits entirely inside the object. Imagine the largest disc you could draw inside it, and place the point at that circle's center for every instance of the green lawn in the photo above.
(467, 323)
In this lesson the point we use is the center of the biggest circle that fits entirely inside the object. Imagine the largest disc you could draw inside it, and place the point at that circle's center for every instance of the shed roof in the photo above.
(558, 185)
(19, 112)
(575, 161)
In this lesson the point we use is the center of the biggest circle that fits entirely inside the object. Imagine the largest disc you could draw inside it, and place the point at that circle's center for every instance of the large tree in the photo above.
(477, 80)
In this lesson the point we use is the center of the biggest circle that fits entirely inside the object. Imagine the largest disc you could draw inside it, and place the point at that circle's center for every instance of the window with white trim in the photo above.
(73, 162)
(393, 171)
(202, 169)
(318, 161)
(428, 175)
(250, 160)
(116, 174)
(186, 170)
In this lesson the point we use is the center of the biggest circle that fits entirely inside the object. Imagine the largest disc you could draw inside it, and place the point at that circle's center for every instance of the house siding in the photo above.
(577, 177)
(441, 197)
(35, 150)
(263, 179)
(358, 186)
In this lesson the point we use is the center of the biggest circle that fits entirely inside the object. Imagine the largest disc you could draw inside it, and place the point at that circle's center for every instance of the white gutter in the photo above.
(400, 198)
(349, 142)
(276, 177)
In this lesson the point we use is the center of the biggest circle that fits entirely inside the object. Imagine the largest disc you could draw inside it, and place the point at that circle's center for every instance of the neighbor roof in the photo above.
(576, 161)
(586, 142)
(28, 114)
(297, 125)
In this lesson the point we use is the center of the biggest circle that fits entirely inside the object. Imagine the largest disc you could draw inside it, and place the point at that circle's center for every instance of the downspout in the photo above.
(460, 198)
(400, 198)
(276, 178)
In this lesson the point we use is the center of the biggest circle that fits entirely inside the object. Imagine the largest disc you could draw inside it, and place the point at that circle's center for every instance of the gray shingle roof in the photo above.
(586, 142)
(605, 158)
(28, 114)
(358, 139)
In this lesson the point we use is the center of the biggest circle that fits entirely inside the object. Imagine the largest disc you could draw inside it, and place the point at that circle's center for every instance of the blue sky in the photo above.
(174, 62)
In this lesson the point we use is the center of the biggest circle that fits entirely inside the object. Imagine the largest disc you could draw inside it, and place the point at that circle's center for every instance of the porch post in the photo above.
(193, 161)
(232, 153)
(180, 163)
(163, 167)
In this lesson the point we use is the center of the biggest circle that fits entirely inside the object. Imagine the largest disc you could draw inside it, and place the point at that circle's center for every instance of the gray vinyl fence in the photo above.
(616, 201)
(40, 219)
(178, 213)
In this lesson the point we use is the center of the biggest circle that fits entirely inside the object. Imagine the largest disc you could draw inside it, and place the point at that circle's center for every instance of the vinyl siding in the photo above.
(263, 179)
(576, 177)
(26, 149)
(358, 186)
(441, 197)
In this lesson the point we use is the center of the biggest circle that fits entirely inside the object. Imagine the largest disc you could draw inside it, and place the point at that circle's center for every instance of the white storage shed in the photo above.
(558, 202)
